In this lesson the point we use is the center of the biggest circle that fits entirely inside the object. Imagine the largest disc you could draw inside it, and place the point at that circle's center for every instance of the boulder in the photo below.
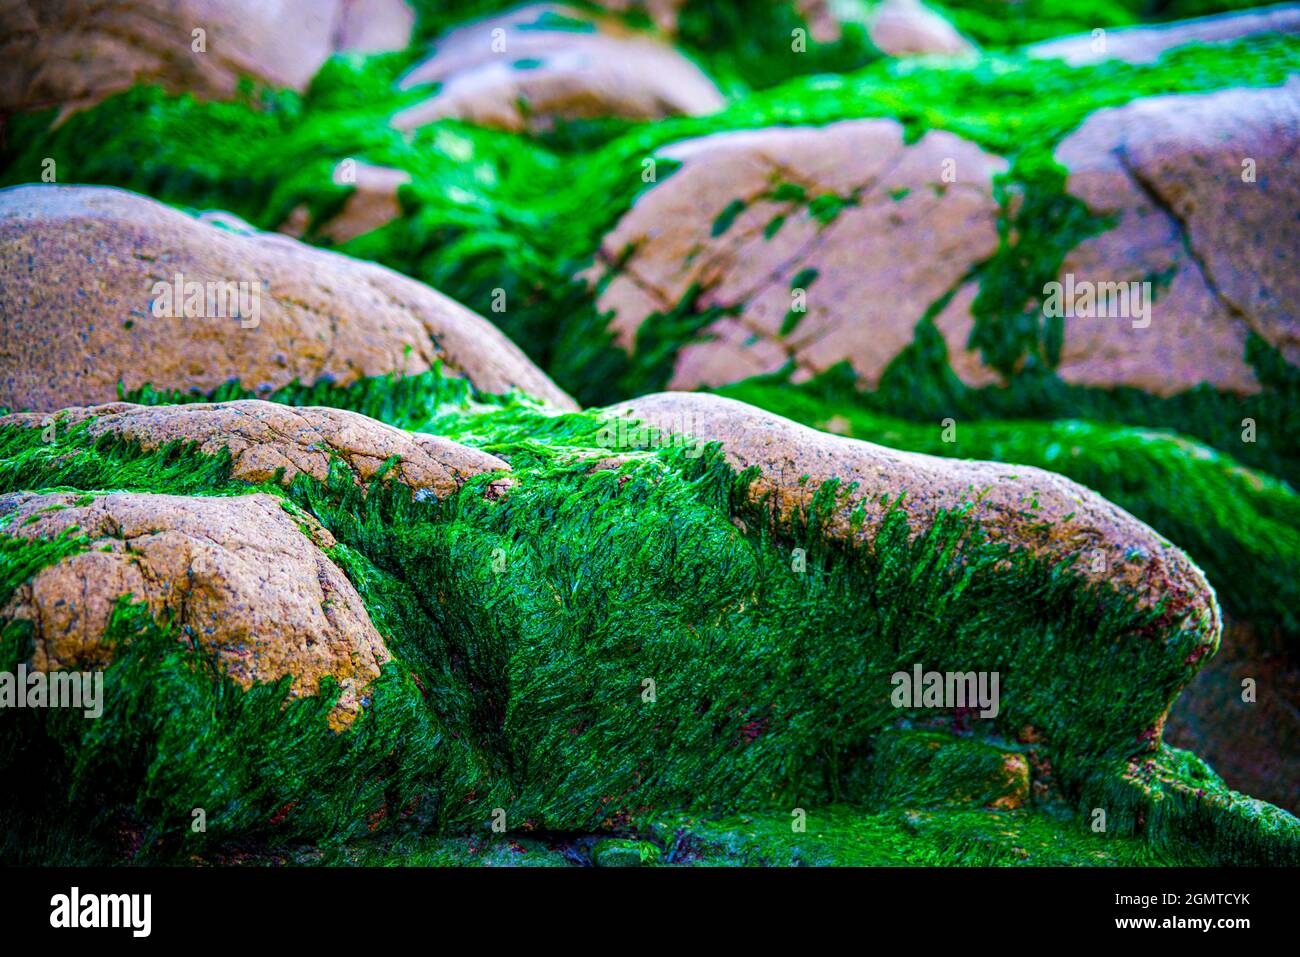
(74, 53)
(1205, 205)
(1051, 517)
(909, 28)
(266, 437)
(528, 68)
(372, 203)
(374, 26)
(92, 299)
(847, 220)
(238, 576)
(1147, 44)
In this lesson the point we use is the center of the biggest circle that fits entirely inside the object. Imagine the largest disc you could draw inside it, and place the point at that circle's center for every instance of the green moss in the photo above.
(524, 628)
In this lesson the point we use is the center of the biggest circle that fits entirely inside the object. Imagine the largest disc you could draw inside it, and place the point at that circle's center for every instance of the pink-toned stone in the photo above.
(1170, 169)
(82, 269)
(909, 28)
(74, 53)
(906, 237)
(374, 26)
(372, 204)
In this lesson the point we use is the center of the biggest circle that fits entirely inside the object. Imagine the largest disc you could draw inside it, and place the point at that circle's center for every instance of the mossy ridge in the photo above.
(489, 211)
(1241, 526)
(765, 677)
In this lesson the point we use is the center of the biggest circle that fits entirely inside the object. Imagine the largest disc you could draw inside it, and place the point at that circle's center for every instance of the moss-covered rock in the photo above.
(505, 631)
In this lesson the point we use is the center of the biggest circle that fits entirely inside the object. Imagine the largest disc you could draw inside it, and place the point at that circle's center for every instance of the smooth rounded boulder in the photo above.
(1146, 44)
(542, 63)
(74, 53)
(104, 287)
(1207, 214)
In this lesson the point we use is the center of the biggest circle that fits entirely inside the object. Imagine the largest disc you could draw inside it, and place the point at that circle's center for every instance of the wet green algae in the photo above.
(522, 689)
(524, 628)
(489, 211)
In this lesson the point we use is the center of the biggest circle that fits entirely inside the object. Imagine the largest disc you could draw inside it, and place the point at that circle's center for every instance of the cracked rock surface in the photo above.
(238, 576)
(1196, 183)
(82, 267)
(909, 223)
(265, 437)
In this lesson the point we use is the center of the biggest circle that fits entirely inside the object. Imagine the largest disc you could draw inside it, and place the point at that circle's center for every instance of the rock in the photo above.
(372, 204)
(1026, 508)
(264, 437)
(528, 68)
(1197, 183)
(85, 268)
(1146, 44)
(909, 28)
(1248, 732)
(74, 53)
(374, 26)
(239, 576)
(868, 226)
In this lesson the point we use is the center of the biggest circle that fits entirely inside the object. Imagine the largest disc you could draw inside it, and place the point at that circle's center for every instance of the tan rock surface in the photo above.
(373, 202)
(544, 62)
(236, 575)
(85, 266)
(904, 236)
(264, 437)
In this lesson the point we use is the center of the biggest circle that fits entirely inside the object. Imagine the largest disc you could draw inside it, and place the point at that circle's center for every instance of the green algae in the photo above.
(525, 628)
(994, 23)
